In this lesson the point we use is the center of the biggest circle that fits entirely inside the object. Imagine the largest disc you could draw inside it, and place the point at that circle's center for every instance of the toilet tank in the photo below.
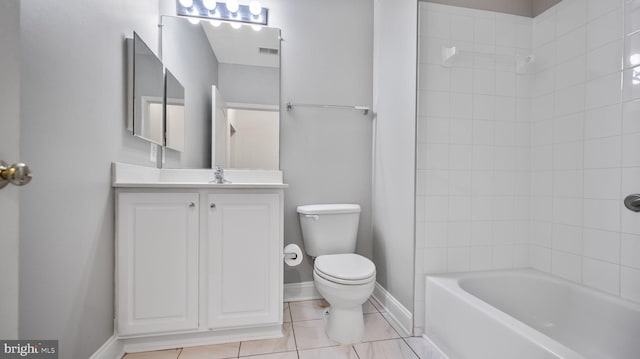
(329, 228)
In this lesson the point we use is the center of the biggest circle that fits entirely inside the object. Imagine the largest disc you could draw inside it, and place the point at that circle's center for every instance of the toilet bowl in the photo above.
(343, 278)
(346, 281)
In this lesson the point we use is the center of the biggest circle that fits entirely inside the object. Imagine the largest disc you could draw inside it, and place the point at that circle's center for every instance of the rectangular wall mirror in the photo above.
(146, 95)
(231, 78)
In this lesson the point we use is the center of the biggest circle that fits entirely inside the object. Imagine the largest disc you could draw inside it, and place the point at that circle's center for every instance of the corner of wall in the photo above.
(395, 60)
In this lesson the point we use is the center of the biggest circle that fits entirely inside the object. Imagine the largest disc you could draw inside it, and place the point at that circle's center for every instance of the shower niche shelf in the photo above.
(451, 55)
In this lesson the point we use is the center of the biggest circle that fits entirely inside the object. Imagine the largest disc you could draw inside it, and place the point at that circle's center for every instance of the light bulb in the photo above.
(194, 20)
(634, 59)
(209, 4)
(186, 3)
(233, 6)
(236, 25)
(256, 27)
(215, 23)
(255, 8)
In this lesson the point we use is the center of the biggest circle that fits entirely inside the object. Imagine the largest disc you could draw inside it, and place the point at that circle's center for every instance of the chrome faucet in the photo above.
(219, 175)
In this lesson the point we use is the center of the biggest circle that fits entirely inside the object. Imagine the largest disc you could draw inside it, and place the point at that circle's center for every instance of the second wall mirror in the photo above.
(146, 92)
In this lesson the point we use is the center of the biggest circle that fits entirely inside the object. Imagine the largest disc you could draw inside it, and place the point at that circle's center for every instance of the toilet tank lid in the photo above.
(329, 208)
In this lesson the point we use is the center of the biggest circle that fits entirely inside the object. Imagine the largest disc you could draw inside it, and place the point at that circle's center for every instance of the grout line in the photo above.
(353, 347)
(391, 325)
(239, 346)
(310, 320)
(263, 354)
(380, 340)
(411, 348)
(290, 314)
(621, 168)
(293, 332)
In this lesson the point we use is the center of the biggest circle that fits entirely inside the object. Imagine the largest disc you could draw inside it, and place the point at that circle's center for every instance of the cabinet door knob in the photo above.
(192, 205)
(212, 205)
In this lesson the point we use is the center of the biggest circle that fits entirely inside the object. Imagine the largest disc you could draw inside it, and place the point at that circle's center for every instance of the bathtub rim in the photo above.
(531, 272)
(451, 283)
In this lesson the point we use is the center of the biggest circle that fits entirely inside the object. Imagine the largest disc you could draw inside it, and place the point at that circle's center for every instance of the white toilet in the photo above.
(343, 278)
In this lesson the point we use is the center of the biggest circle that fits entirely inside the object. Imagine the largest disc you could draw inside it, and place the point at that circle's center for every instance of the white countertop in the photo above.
(133, 176)
(197, 185)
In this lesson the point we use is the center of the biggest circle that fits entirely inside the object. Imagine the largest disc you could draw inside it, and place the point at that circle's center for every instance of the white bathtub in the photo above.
(526, 314)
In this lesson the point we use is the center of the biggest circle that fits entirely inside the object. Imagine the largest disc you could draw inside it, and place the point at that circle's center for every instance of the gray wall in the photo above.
(72, 127)
(9, 152)
(528, 8)
(395, 36)
(194, 64)
(325, 154)
(249, 84)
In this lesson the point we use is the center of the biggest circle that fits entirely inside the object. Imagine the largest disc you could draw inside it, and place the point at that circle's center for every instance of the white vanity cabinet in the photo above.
(157, 262)
(245, 259)
(201, 264)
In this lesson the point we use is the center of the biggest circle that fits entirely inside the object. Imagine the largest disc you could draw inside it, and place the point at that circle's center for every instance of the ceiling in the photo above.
(243, 46)
(540, 6)
(529, 8)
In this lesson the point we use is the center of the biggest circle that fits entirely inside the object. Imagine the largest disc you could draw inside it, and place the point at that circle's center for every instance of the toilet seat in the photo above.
(347, 268)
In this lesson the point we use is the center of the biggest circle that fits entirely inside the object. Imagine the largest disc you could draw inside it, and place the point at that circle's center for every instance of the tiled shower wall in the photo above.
(586, 144)
(528, 166)
(474, 130)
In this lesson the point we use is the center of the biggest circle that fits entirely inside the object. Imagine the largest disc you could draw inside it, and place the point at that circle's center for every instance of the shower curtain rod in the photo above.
(364, 109)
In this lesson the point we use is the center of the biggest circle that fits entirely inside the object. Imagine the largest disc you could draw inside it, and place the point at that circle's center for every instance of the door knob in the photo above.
(18, 174)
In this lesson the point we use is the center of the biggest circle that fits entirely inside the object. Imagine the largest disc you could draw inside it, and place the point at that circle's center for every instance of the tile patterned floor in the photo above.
(304, 338)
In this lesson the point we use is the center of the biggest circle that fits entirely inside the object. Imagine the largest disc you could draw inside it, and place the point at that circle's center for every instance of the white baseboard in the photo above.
(397, 312)
(115, 347)
(170, 341)
(295, 292)
(111, 349)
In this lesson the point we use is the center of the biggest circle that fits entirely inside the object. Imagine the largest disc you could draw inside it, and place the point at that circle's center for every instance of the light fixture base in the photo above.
(220, 12)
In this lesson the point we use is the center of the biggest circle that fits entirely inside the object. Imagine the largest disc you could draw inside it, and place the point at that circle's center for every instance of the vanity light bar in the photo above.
(221, 11)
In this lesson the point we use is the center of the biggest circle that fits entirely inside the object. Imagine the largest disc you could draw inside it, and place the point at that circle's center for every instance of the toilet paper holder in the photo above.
(291, 255)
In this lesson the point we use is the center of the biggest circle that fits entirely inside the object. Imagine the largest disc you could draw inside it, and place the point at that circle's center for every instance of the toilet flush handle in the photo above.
(315, 217)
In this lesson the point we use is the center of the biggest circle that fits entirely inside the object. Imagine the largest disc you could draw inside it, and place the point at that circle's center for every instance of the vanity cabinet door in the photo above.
(245, 260)
(157, 262)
